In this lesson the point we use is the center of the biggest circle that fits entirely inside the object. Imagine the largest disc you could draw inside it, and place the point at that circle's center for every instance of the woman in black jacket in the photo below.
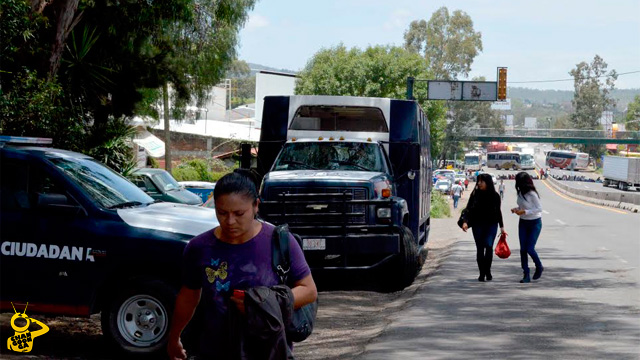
(483, 217)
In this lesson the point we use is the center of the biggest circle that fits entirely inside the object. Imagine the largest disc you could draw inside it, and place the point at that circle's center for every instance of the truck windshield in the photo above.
(331, 156)
(471, 160)
(106, 187)
(526, 159)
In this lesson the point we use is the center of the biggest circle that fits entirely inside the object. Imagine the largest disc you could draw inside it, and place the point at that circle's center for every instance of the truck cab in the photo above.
(79, 239)
(351, 176)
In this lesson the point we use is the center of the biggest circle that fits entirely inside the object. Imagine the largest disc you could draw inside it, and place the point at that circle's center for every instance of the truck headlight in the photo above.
(384, 213)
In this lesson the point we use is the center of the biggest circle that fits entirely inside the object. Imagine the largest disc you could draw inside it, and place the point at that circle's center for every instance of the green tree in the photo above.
(378, 71)
(592, 86)
(110, 58)
(632, 118)
(203, 49)
(448, 42)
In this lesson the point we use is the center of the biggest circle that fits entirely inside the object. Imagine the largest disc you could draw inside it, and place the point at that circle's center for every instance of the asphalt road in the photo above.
(585, 306)
(580, 184)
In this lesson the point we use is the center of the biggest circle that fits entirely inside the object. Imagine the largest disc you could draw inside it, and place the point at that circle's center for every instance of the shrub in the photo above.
(439, 206)
(200, 170)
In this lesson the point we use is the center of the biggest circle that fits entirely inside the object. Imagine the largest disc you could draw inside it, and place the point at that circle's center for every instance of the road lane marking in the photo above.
(561, 222)
(545, 212)
(580, 201)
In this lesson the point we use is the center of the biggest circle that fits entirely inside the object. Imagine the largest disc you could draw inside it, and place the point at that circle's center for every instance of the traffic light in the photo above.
(502, 84)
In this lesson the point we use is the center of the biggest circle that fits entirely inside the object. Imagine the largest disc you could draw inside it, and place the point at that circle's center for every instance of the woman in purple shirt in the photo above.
(234, 256)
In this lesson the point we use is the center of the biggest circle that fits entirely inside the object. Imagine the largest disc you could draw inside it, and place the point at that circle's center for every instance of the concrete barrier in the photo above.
(620, 200)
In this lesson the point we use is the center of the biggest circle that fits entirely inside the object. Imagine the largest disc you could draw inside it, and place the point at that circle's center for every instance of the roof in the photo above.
(254, 152)
(45, 151)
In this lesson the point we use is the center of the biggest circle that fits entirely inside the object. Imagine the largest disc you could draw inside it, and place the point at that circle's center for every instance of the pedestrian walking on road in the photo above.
(220, 263)
(456, 191)
(466, 183)
(530, 211)
(483, 217)
(501, 188)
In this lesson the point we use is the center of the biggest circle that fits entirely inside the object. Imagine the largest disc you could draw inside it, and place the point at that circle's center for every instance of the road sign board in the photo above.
(463, 90)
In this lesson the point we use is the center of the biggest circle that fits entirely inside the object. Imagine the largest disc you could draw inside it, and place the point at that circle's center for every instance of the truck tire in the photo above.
(622, 186)
(136, 320)
(605, 182)
(404, 269)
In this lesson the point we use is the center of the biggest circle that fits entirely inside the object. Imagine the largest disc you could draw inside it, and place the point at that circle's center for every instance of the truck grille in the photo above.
(324, 207)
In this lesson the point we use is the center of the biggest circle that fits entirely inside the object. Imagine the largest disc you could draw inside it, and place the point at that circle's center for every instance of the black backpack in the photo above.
(303, 318)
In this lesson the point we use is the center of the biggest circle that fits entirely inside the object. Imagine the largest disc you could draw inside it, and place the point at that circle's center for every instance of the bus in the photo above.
(563, 159)
(510, 160)
(473, 161)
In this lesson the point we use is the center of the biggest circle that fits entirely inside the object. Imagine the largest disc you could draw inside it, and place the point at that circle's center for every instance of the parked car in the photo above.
(204, 189)
(160, 185)
(449, 174)
(80, 239)
(444, 186)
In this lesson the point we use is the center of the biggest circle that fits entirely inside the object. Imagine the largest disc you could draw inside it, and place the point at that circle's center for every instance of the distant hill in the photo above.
(549, 97)
(257, 67)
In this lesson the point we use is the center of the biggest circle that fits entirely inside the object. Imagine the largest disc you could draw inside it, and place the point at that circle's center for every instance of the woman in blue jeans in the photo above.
(530, 211)
(484, 216)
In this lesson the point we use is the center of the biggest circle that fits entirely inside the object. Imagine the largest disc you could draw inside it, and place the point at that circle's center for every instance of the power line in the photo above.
(572, 79)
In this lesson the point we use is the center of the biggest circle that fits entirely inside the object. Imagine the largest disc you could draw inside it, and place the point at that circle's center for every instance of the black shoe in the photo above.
(525, 279)
(489, 277)
(481, 278)
(538, 273)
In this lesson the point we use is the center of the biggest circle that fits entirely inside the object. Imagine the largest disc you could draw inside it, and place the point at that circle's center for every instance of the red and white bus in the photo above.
(567, 160)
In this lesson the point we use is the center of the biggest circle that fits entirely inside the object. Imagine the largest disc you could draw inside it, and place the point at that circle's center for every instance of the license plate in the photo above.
(314, 244)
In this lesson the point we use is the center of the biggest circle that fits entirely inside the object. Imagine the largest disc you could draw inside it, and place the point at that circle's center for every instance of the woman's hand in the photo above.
(515, 210)
(503, 232)
(238, 300)
(175, 350)
(519, 212)
(465, 227)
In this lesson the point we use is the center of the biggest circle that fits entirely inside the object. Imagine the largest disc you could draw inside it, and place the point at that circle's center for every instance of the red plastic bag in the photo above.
(502, 250)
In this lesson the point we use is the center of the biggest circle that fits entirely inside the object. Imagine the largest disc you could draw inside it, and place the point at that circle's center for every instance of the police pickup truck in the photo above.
(78, 239)
(351, 176)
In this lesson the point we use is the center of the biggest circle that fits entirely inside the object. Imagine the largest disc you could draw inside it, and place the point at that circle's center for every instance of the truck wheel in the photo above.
(622, 186)
(605, 182)
(403, 271)
(137, 319)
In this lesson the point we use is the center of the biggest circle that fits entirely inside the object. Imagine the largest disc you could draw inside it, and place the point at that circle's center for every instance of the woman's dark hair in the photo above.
(524, 184)
(487, 179)
(240, 181)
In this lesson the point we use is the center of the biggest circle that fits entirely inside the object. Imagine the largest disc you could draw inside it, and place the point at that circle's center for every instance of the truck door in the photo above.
(15, 227)
(44, 260)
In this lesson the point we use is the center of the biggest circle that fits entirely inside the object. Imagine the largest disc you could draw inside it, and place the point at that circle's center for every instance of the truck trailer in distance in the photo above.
(621, 172)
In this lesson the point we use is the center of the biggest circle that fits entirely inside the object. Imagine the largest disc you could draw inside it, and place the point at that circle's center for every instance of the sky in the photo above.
(536, 40)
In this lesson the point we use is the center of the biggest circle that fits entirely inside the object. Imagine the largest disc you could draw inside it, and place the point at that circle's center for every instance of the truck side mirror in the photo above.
(58, 203)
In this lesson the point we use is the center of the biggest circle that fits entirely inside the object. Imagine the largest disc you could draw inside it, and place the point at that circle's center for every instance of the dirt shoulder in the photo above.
(348, 320)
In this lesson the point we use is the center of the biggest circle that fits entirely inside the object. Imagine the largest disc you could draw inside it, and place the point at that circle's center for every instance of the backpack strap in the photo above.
(281, 260)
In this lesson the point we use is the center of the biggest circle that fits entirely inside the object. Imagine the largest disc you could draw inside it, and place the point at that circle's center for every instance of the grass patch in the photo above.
(439, 205)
